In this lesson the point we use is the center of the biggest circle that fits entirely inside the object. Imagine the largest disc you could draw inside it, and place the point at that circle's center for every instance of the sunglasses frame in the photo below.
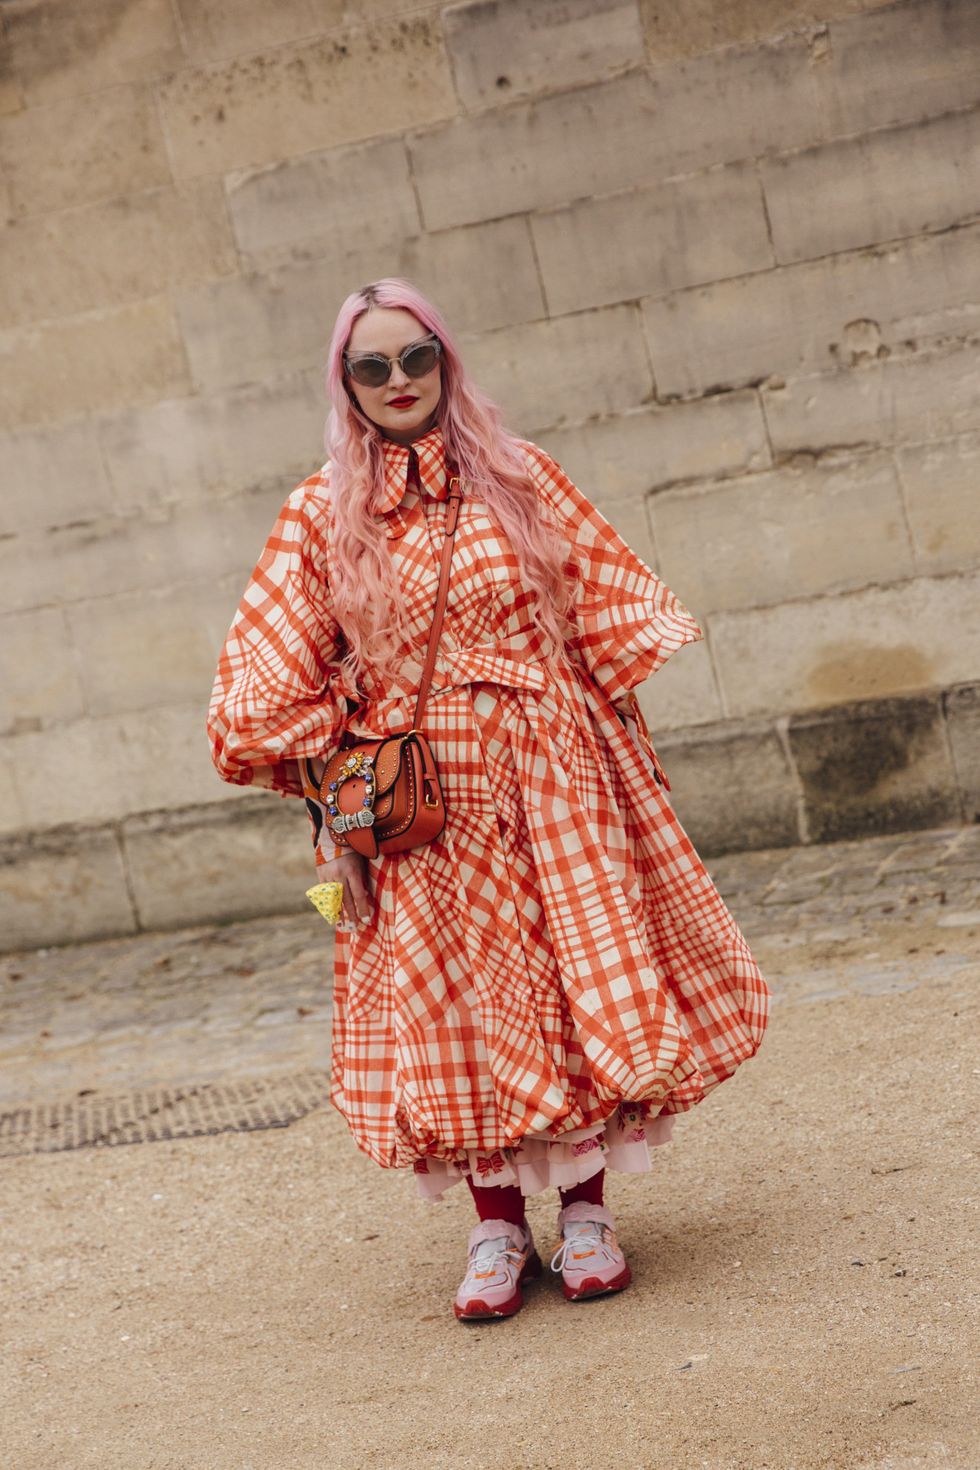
(430, 338)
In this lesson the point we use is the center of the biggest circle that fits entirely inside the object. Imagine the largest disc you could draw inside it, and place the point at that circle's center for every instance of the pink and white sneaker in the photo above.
(501, 1258)
(589, 1258)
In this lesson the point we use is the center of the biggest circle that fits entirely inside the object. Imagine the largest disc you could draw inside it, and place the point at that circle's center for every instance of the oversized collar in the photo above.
(431, 451)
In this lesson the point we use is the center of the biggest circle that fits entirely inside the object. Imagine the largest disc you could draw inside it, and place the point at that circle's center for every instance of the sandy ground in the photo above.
(802, 1250)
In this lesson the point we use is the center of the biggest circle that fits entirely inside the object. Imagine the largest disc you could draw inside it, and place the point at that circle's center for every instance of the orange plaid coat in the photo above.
(559, 948)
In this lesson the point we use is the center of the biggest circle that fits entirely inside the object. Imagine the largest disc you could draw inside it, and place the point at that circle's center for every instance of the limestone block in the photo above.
(930, 395)
(922, 634)
(703, 228)
(688, 30)
(79, 149)
(791, 532)
(181, 544)
(338, 203)
(169, 764)
(556, 372)
(76, 771)
(157, 646)
(52, 476)
(942, 495)
(266, 437)
(249, 328)
(803, 319)
(213, 29)
(56, 891)
(873, 768)
(13, 817)
(38, 682)
(904, 62)
(121, 250)
(504, 49)
(635, 451)
(897, 182)
(240, 861)
(683, 692)
(131, 354)
(731, 787)
(62, 48)
(592, 140)
(316, 93)
(962, 708)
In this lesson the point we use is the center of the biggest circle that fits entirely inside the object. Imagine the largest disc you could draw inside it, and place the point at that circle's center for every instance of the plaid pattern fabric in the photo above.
(559, 948)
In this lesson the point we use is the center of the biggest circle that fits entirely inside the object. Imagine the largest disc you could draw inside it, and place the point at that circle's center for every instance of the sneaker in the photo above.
(589, 1258)
(501, 1257)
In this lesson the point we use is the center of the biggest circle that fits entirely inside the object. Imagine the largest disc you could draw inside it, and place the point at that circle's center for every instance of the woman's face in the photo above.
(388, 330)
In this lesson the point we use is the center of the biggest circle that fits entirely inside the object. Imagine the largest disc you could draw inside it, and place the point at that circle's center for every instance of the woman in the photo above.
(535, 993)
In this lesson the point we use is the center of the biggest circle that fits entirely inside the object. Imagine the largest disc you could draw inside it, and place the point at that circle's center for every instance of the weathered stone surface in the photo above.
(62, 48)
(179, 547)
(95, 771)
(148, 648)
(550, 373)
(962, 709)
(732, 788)
(929, 395)
(13, 817)
(80, 149)
(38, 681)
(706, 25)
(52, 476)
(881, 641)
(703, 228)
(802, 319)
(251, 327)
(317, 93)
(875, 767)
(942, 494)
(504, 49)
(240, 860)
(266, 437)
(57, 369)
(521, 159)
(905, 62)
(633, 452)
(88, 878)
(335, 203)
(792, 532)
(213, 29)
(684, 692)
(106, 254)
(864, 190)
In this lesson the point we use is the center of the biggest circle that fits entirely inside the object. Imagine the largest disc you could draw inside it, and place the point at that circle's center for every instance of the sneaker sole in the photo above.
(479, 1311)
(593, 1287)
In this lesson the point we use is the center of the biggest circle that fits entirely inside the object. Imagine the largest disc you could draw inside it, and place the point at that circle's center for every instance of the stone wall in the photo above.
(719, 258)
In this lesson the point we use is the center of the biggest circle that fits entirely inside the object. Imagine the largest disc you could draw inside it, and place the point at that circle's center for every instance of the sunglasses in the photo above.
(372, 369)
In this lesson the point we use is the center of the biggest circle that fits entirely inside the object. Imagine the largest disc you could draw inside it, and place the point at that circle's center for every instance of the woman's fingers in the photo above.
(357, 880)
(351, 870)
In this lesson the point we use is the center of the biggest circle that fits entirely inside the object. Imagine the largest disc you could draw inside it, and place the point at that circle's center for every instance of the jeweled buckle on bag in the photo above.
(357, 764)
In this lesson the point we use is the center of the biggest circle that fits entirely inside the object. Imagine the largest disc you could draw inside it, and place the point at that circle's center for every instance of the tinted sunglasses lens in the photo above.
(369, 371)
(420, 360)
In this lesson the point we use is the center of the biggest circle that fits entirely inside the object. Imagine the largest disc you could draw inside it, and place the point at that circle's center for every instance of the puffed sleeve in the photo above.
(630, 622)
(280, 693)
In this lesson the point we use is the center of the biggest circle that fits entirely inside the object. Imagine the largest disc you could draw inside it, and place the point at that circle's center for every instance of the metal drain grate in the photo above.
(101, 1120)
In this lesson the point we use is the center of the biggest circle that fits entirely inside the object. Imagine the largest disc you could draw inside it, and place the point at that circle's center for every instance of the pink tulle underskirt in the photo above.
(623, 1142)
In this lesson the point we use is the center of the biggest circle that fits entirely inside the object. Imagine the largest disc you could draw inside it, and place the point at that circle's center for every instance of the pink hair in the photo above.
(365, 593)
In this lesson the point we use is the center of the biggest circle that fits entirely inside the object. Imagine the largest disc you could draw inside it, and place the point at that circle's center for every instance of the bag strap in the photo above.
(442, 596)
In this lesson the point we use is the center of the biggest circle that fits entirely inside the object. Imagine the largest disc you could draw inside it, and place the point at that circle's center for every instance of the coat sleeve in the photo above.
(279, 692)
(629, 621)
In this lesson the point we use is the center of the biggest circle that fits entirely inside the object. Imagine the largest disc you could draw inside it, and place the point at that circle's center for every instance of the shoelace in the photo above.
(593, 1239)
(491, 1253)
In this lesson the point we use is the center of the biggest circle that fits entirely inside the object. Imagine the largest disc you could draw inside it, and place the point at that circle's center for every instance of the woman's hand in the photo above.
(352, 871)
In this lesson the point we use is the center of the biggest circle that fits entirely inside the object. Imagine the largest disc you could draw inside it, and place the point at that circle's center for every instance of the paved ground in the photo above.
(266, 1298)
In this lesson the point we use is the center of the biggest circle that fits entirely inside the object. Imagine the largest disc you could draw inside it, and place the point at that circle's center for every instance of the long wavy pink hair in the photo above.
(365, 592)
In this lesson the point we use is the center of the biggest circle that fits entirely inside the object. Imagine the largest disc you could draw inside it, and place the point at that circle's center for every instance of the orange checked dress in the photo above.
(556, 969)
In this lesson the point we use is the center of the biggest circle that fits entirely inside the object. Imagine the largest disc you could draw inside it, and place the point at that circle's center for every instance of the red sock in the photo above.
(589, 1192)
(499, 1202)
